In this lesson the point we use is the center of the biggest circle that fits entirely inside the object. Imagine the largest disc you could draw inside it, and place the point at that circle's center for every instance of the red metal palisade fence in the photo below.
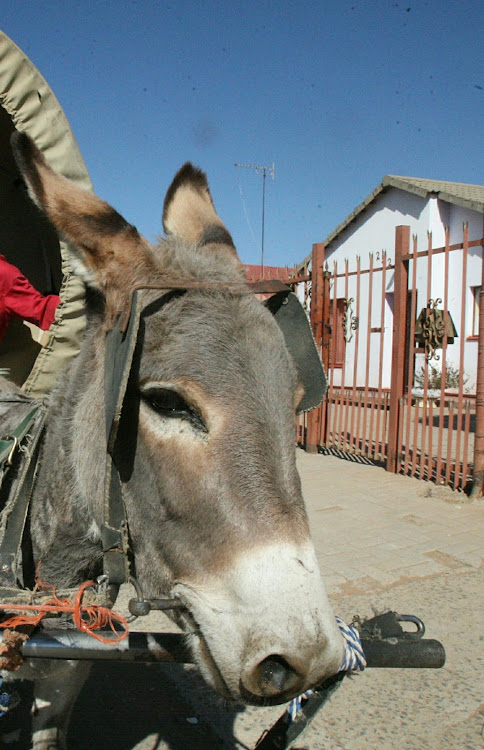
(402, 341)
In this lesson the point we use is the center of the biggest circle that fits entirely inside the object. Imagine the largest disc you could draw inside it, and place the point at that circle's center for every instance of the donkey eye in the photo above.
(169, 403)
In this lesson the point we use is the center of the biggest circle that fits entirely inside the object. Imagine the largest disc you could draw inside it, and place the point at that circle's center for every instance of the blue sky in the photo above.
(336, 94)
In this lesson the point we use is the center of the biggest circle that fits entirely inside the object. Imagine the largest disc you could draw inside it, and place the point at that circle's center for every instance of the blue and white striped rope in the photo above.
(354, 658)
(353, 661)
(7, 700)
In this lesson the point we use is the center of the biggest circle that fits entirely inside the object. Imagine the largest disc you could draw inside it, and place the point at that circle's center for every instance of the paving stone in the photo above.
(469, 558)
(420, 570)
(447, 560)
(384, 577)
(467, 542)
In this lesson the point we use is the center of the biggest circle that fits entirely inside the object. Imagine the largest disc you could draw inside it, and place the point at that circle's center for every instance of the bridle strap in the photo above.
(16, 510)
(120, 347)
(266, 286)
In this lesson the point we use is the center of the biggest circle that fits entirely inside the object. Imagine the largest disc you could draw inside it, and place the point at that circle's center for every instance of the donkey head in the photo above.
(211, 489)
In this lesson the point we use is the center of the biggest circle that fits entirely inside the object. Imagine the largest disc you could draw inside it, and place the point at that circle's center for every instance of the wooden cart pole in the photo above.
(316, 318)
(478, 484)
(400, 286)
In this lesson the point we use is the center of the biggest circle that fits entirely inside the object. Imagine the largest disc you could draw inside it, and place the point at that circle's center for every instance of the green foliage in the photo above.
(452, 377)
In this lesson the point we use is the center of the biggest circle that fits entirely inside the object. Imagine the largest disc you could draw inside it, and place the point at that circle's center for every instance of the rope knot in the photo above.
(87, 616)
(354, 658)
(353, 661)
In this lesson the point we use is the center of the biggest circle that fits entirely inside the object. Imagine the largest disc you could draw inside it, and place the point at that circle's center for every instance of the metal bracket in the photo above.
(140, 607)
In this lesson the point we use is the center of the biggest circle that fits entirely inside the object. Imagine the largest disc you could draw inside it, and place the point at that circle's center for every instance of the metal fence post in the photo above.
(400, 286)
(325, 327)
(478, 483)
(316, 318)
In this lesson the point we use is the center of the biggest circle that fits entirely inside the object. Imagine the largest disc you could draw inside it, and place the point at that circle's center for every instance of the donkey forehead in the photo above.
(216, 340)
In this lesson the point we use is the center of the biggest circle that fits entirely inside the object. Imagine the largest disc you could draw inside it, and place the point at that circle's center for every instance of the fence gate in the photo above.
(399, 338)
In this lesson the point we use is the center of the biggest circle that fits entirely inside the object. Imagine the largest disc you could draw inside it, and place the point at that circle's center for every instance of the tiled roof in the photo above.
(459, 193)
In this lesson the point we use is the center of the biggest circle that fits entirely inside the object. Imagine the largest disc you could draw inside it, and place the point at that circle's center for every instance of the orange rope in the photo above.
(87, 618)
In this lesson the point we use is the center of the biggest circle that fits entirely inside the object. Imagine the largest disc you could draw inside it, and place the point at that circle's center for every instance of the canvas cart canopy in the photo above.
(26, 239)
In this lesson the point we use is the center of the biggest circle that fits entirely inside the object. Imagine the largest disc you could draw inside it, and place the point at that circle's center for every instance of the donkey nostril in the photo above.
(274, 675)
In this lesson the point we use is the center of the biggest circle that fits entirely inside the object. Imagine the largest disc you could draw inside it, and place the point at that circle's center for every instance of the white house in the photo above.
(427, 207)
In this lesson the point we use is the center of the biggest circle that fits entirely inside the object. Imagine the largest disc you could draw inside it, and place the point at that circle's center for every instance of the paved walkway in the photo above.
(373, 530)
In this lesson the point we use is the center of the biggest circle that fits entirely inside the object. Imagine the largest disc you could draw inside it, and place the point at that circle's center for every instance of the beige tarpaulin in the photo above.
(28, 104)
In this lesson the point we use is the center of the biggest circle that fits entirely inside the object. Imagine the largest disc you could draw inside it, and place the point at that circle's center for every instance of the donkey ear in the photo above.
(112, 250)
(188, 210)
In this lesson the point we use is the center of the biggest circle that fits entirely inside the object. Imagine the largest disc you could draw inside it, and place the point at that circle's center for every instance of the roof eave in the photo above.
(399, 183)
(463, 202)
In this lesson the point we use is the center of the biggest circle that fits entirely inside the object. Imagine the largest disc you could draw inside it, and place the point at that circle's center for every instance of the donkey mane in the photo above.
(208, 260)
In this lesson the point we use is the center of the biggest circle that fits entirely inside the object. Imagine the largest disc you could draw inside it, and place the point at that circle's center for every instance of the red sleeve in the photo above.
(23, 300)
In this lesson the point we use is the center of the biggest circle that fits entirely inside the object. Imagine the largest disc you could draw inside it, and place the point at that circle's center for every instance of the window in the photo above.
(338, 343)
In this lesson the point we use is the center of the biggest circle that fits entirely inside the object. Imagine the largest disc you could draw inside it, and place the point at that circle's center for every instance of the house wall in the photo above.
(373, 231)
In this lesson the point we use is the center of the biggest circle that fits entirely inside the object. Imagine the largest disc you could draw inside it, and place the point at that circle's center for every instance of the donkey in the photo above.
(211, 490)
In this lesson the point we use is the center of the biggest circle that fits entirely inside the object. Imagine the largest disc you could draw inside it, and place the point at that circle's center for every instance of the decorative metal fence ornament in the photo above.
(431, 327)
(350, 321)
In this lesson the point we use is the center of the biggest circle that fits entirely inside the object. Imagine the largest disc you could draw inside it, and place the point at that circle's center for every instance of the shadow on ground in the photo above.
(141, 706)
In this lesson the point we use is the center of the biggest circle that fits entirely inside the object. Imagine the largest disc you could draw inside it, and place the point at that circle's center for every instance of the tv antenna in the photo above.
(264, 171)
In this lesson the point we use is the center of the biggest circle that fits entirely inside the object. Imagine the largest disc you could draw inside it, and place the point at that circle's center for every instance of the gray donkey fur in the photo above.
(206, 450)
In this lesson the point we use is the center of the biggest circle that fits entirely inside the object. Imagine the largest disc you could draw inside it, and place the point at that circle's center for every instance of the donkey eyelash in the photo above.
(170, 404)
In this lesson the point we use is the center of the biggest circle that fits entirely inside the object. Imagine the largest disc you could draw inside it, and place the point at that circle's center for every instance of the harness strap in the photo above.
(16, 510)
(9, 443)
(298, 337)
(120, 346)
